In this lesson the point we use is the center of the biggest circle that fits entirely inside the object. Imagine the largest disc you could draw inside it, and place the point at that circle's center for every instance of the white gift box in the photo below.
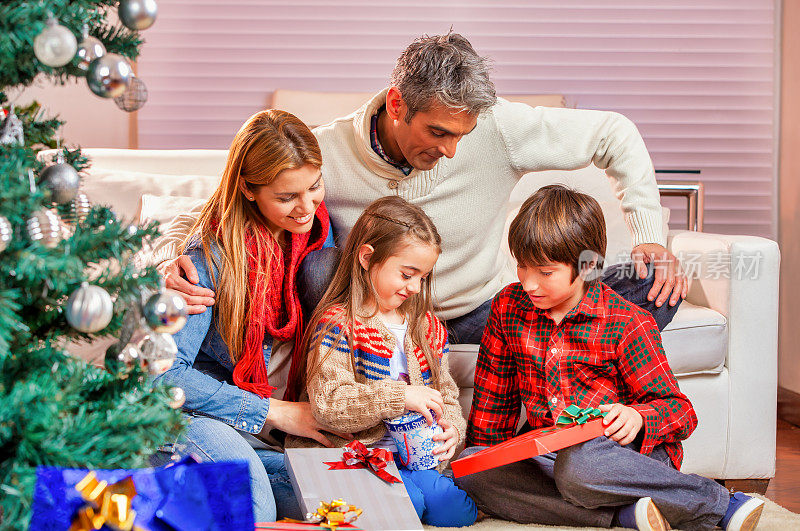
(386, 506)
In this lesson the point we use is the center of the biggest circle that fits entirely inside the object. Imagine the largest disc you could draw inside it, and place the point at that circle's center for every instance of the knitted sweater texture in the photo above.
(467, 196)
(351, 391)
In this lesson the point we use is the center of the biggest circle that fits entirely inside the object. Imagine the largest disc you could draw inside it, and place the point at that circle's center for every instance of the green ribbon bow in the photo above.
(575, 415)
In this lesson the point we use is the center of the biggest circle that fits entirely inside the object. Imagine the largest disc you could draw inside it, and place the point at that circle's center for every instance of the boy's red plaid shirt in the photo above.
(605, 350)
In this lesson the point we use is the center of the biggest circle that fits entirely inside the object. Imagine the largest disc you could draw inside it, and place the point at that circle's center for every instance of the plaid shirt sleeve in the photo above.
(651, 387)
(496, 399)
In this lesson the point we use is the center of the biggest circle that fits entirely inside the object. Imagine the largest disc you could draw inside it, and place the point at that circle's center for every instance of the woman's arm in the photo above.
(206, 395)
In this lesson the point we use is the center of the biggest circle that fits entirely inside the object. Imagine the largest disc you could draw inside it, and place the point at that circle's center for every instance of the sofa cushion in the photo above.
(161, 161)
(696, 340)
(162, 208)
(122, 190)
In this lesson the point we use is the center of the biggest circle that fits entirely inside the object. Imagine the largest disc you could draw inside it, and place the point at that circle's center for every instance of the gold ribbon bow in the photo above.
(331, 515)
(106, 504)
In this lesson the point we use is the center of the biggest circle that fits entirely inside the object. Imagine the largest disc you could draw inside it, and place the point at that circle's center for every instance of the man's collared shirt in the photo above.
(605, 350)
(377, 148)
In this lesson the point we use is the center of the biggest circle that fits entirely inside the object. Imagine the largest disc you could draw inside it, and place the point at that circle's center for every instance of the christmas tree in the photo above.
(66, 268)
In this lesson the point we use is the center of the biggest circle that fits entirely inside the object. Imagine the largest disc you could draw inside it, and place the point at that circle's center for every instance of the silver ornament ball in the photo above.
(89, 49)
(129, 355)
(134, 97)
(45, 227)
(56, 45)
(137, 14)
(165, 312)
(89, 309)
(126, 357)
(177, 397)
(109, 76)
(6, 233)
(158, 353)
(60, 183)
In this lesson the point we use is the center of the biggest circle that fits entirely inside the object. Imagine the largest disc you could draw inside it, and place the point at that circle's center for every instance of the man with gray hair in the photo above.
(403, 141)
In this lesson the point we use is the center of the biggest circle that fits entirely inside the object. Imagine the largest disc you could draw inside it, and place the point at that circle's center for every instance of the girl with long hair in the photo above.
(375, 350)
(265, 216)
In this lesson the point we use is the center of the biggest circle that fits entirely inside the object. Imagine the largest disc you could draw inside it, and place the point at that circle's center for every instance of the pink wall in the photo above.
(90, 121)
(697, 77)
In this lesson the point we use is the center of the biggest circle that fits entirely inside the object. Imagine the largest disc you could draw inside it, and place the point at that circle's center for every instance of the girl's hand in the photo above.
(449, 440)
(421, 399)
(296, 418)
(623, 423)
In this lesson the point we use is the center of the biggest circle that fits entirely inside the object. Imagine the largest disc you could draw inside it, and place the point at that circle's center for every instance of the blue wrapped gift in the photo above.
(182, 496)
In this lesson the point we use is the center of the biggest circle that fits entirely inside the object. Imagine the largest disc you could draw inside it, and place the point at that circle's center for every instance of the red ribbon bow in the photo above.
(356, 455)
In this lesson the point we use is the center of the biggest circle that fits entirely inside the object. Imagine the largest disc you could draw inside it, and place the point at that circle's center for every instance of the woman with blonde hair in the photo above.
(266, 215)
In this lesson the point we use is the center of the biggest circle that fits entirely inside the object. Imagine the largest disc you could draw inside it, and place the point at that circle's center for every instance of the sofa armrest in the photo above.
(738, 277)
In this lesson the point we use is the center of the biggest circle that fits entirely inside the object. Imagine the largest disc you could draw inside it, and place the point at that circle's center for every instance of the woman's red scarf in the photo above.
(279, 313)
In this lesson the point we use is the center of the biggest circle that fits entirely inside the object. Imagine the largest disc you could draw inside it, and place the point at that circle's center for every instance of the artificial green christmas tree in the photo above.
(56, 409)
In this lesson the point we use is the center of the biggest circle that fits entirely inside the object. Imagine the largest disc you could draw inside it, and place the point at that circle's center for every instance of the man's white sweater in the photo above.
(466, 196)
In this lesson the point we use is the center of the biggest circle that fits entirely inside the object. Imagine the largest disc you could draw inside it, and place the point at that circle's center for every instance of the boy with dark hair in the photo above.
(561, 337)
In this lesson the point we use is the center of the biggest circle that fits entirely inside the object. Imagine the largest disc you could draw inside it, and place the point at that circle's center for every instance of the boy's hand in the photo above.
(421, 399)
(623, 423)
(449, 439)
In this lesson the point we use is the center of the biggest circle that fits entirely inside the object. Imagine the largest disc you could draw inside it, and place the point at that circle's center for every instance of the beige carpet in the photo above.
(774, 518)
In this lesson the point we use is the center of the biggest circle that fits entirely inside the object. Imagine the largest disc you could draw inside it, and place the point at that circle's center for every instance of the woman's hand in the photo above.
(296, 418)
(623, 423)
(421, 399)
(449, 440)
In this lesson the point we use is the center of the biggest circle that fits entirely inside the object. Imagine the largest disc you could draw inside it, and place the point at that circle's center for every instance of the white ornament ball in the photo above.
(6, 233)
(158, 353)
(60, 182)
(45, 227)
(89, 49)
(56, 45)
(109, 76)
(165, 312)
(89, 309)
(137, 14)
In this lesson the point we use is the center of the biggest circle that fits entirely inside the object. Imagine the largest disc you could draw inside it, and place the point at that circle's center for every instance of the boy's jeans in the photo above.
(317, 270)
(583, 484)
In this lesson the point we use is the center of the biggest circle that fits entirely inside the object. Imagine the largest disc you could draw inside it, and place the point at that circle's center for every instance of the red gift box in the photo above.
(531, 444)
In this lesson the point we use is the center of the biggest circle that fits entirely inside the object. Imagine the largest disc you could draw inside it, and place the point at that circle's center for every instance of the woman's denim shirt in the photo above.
(204, 370)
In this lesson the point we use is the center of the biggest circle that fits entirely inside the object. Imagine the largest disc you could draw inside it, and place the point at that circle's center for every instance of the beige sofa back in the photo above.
(318, 108)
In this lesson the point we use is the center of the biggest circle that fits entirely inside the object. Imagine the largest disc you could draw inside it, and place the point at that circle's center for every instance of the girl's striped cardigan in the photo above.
(351, 391)
(373, 345)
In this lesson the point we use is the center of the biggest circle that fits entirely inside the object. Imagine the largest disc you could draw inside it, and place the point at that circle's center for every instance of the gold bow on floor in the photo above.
(331, 515)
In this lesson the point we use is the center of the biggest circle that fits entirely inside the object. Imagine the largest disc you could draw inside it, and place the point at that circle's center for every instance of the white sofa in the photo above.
(722, 344)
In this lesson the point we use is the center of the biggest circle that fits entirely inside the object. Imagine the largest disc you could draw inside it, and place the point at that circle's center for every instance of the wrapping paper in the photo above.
(184, 496)
(531, 444)
(386, 506)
